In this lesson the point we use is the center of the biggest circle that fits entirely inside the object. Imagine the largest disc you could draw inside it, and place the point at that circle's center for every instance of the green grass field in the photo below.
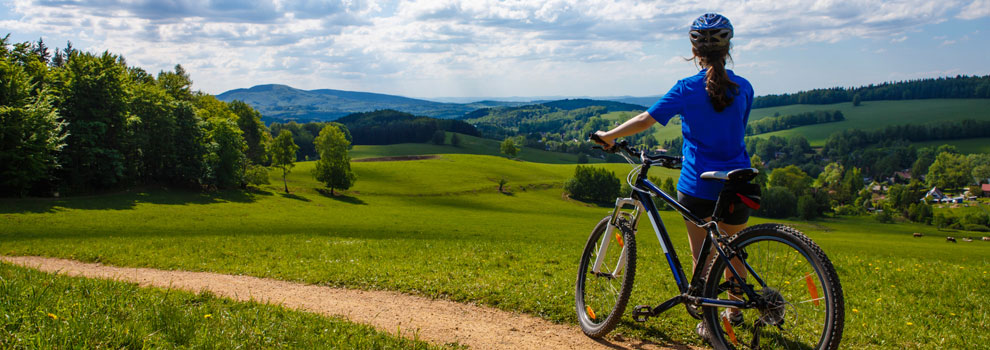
(469, 145)
(44, 311)
(439, 228)
(869, 115)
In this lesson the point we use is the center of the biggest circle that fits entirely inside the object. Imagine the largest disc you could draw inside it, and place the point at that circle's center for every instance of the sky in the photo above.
(489, 48)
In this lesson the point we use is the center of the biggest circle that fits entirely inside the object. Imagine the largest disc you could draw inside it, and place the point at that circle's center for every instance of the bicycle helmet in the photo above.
(711, 30)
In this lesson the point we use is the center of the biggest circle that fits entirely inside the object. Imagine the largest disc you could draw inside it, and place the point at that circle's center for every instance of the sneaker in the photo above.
(735, 319)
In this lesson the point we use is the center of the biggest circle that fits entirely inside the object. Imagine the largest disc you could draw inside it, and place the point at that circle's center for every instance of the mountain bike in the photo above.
(788, 293)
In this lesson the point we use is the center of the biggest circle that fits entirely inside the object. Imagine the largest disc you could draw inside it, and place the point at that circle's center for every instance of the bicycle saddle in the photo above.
(743, 174)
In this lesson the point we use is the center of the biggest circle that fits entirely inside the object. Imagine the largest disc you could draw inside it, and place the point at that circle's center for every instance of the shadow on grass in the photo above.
(294, 196)
(127, 199)
(341, 197)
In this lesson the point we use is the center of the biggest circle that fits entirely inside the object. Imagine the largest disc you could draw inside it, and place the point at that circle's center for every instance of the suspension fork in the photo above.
(610, 229)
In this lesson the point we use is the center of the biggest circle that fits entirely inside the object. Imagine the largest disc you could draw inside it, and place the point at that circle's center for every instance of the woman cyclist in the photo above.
(714, 107)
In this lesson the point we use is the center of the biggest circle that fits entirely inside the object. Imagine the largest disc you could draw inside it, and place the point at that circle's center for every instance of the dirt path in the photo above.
(436, 321)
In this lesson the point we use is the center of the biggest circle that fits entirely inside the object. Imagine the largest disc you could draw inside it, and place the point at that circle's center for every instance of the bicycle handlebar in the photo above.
(623, 146)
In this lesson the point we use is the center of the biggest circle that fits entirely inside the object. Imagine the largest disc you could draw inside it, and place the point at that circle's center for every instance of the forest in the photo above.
(960, 86)
(77, 122)
(778, 122)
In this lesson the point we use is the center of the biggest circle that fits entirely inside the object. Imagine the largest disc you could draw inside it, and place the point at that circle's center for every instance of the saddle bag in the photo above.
(736, 193)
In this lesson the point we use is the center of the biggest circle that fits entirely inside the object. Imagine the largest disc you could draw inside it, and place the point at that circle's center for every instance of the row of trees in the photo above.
(387, 127)
(842, 143)
(79, 122)
(83, 122)
(960, 86)
(778, 122)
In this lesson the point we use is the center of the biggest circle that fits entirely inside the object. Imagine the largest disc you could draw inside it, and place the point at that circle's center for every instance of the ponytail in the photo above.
(717, 82)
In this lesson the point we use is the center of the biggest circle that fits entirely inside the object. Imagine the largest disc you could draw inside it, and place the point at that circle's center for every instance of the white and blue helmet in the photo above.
(711, 30)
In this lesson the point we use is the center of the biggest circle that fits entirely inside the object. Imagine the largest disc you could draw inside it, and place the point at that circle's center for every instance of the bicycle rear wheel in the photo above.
(603, 291)
(802, 302)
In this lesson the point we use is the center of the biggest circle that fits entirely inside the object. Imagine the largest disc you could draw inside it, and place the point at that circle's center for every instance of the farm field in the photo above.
(57, 312)
(469, 145)
(869, 115)
(439, 228)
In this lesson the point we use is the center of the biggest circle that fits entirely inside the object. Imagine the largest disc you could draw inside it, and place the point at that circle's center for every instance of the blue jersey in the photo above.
(712, 140)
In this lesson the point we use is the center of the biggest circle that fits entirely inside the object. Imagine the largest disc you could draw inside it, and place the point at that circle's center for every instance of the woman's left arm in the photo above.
(632, 126)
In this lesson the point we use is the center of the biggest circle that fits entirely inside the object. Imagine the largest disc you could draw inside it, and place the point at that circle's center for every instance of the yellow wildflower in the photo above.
(208, 316)
(52, 316)
(856, 311)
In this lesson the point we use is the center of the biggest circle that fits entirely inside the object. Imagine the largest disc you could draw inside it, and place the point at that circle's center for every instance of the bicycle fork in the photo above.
(614, 223)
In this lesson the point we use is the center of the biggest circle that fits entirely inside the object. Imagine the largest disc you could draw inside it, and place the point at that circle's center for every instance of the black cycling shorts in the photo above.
(704, 208)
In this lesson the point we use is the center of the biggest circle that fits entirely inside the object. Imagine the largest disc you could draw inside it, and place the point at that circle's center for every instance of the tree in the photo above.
(593, 184)
(950, 170)
(981, 167)
(582, 158)
(283, 153)
(924, 159)
(93, 100)
(455, 140)
(439, 137)
(807, 208)
(790, 177)
(509, 148)
(31, 132)
(334, 167)
(777, 202)
(225, 161)
(857, 100)
(253, 131)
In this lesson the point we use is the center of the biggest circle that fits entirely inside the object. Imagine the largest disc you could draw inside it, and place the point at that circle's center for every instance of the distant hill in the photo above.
(281, 102)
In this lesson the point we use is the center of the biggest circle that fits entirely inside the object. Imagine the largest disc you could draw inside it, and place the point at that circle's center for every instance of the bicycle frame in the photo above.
(642, 201)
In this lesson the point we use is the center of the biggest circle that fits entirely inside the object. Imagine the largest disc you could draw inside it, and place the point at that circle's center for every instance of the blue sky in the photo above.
(495, 48)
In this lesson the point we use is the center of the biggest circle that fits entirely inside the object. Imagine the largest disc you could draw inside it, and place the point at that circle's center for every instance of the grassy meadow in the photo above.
(869, 115)
(469, 145)
(45, 311)
(439, 228)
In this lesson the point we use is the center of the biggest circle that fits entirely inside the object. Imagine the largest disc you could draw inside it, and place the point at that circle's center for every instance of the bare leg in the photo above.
(696, 236)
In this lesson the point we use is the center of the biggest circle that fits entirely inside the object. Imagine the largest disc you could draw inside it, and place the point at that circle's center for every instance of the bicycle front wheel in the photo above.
(799, 298)
(605, 277)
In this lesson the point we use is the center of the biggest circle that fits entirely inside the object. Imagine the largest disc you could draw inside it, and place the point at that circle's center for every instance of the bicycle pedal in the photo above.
(642, 312)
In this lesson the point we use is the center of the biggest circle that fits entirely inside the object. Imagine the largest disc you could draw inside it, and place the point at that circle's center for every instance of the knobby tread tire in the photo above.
(628, 275)
(829, 277)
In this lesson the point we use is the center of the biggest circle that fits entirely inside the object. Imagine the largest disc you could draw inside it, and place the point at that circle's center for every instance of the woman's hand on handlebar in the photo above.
(601, 139)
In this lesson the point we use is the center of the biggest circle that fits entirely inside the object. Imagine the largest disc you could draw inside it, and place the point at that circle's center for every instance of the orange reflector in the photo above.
(618, 237)
(728, 329)
(590, 312)
(812, 289)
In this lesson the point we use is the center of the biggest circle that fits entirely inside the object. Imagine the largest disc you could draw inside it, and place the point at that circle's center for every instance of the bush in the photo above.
(582, 158)
(593, 184)
(883, 216)
(777, 202)
(920, 212)
(976, 227)
(807, 207)
(256, 175)
(849, 210)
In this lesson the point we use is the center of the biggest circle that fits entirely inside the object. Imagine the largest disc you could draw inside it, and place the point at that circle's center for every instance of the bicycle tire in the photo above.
(589, 322)
(796, 303)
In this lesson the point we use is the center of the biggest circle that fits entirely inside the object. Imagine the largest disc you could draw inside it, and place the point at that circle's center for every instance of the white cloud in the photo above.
(976, 9)
(391, 45)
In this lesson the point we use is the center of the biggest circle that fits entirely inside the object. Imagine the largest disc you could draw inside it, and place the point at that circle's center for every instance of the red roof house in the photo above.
(985, 188)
